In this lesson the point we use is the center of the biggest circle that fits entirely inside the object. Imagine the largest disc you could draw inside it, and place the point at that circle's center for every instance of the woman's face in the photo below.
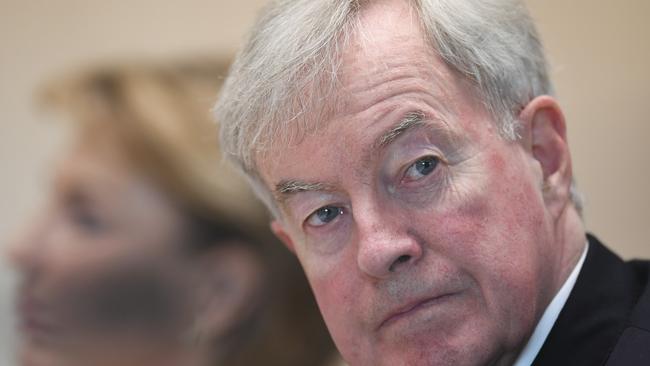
(102, 267)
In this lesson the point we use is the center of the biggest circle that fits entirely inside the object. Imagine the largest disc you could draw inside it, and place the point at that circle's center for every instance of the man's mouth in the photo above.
(413, 307)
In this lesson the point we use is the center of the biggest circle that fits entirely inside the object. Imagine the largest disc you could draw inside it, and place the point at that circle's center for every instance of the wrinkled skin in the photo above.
(437, 244)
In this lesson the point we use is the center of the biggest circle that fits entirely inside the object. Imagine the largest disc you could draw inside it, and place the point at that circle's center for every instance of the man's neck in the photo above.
(550, 315)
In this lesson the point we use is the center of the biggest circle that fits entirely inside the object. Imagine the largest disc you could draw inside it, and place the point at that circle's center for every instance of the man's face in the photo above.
(423, 233)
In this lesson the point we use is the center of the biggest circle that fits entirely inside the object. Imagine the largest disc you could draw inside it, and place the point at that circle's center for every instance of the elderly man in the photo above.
(417, 165)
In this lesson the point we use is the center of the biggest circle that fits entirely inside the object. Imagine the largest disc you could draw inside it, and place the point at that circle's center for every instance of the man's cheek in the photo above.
(342, 307)
(480, 229)
(456, 225)
(335, 292)
(491, 198)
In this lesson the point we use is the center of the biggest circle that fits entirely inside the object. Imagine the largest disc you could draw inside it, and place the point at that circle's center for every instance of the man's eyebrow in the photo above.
(287, 188)
(410, 120)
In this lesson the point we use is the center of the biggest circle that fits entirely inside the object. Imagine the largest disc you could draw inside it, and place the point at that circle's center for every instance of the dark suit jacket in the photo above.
(606, 319)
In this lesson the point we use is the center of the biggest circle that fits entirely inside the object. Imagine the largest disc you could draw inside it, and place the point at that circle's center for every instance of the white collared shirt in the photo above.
(543, 328)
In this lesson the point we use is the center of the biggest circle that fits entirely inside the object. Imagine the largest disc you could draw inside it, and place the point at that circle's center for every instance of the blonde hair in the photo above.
(160, 115)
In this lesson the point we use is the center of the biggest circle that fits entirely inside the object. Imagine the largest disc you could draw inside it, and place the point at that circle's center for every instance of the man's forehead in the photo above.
(386, 19)
(380, 28)
(376, 57)
(285, 187)
(387, 43)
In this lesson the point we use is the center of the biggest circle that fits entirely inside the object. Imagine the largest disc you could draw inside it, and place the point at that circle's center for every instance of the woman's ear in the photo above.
(231, 278)
(544, 138)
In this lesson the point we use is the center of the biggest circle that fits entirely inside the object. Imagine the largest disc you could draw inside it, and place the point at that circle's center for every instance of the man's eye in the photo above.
(422, 167)
(324, 215)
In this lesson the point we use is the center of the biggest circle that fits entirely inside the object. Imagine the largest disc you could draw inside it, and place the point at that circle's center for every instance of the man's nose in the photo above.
(385, 246)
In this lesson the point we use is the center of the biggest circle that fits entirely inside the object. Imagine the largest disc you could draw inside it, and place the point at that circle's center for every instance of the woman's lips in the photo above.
(35, 322)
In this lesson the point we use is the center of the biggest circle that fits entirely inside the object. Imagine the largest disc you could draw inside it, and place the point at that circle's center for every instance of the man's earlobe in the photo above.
(545, 137)
(278, 229)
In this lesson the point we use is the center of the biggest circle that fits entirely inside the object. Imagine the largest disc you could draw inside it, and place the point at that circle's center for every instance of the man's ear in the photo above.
(544, 137)
(230, 278)
(278, 229)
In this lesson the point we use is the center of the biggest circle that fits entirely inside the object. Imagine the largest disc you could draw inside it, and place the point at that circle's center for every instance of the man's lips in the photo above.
(413, 307)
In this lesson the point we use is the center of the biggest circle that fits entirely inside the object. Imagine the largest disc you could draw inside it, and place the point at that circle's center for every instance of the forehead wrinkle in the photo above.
(364, 93)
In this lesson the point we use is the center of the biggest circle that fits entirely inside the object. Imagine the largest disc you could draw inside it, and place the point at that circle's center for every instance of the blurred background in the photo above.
(599, 53)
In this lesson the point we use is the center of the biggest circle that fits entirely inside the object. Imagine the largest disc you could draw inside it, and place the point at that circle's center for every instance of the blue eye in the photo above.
(422, 167)
(324, 215)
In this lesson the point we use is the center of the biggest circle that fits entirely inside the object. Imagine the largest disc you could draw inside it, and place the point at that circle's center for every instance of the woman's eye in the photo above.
(87, 221)
(422, 167)
(324, 215)
(84, 217)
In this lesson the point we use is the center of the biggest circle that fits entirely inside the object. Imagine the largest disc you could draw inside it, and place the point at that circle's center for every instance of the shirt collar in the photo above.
(550, 315)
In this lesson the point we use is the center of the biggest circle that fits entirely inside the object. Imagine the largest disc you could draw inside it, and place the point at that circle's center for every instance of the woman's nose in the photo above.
(27, 246)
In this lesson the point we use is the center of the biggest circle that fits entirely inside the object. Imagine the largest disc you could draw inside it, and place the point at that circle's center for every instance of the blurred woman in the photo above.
(150, 250)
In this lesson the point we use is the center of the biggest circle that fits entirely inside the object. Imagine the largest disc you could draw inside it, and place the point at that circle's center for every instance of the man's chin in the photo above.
(426, 342)
(427, 352)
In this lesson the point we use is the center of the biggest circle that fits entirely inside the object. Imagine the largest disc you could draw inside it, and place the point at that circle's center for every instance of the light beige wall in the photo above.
(600, 56)
(599, 51)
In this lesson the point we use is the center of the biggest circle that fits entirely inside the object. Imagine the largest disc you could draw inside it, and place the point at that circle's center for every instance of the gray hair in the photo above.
(288, 69)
